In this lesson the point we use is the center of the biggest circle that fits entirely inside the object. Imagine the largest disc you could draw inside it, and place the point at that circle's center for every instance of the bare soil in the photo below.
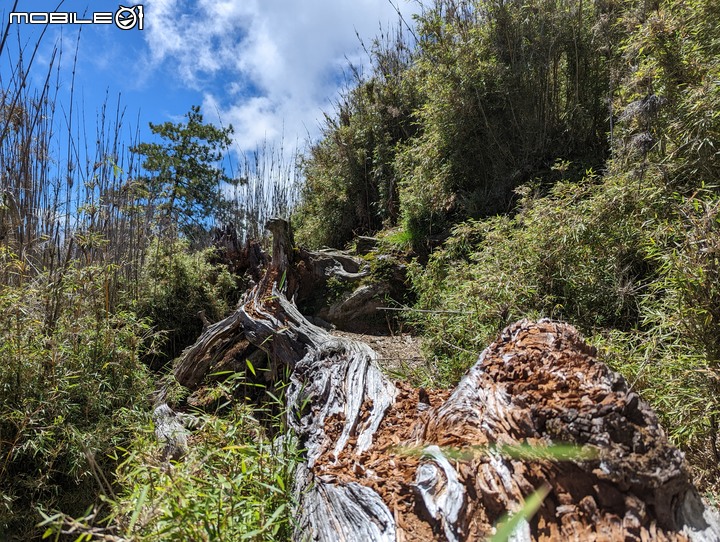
(399, 352)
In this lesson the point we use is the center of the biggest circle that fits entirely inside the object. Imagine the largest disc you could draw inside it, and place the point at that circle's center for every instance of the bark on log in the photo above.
(385, 461)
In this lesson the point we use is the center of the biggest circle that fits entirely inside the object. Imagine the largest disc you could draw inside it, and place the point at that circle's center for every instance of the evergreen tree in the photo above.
(184, 183)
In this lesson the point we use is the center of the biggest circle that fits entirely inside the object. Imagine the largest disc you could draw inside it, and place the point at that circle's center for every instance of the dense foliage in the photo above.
(100, 287)
(563, 163)
(351, 183)
(235, 483)
(176, 285)
(70, 375)
(493, 95)
(509, 89)
(542, 159)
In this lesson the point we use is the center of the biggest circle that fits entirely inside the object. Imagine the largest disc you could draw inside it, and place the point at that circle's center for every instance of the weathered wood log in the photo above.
(384, 461)
(538, 385)
(216, 342)
(310, 271)
(170, 432)
(241, 258)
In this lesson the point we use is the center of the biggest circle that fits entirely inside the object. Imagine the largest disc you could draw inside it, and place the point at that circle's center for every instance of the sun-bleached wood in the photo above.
(380, 467)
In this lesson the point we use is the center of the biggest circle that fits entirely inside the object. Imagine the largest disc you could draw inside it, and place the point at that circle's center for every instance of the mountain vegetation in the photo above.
(526, 158)
(555, 159)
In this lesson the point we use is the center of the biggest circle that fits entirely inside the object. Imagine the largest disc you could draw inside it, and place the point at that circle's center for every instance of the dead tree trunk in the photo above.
(387, 462)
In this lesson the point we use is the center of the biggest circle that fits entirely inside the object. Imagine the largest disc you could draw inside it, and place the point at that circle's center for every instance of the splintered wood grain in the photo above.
(389, 467)
(538, 384)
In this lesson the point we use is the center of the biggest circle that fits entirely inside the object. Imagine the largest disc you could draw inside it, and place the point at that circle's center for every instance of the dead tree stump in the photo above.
(385, 461)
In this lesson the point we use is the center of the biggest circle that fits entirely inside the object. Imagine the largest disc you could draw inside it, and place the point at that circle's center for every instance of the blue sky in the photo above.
(268, 67)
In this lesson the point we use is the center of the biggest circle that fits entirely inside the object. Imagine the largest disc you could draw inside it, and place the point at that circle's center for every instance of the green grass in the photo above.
(70, 372)
(235, 483)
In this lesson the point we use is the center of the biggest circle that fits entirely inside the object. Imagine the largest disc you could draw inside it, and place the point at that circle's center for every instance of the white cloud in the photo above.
(269, 67)
(255, 116)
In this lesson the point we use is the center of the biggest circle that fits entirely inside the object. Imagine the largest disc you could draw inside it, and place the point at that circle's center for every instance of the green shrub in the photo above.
(69, 370)
(507, 89)
(235, 483)
(681, 313)
(174, 286)
(351, 184)
(575, 255)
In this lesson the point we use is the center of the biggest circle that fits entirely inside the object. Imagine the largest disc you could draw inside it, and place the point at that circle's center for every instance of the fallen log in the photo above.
(384, 461)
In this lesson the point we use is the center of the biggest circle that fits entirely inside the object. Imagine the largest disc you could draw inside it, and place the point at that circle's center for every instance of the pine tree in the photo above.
(184, 185)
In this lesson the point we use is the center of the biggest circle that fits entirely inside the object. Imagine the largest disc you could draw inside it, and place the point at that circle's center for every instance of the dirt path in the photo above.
(397, 353)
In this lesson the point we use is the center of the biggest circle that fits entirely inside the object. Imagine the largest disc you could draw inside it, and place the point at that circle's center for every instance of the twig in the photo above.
(420, 310)
(456, 347)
